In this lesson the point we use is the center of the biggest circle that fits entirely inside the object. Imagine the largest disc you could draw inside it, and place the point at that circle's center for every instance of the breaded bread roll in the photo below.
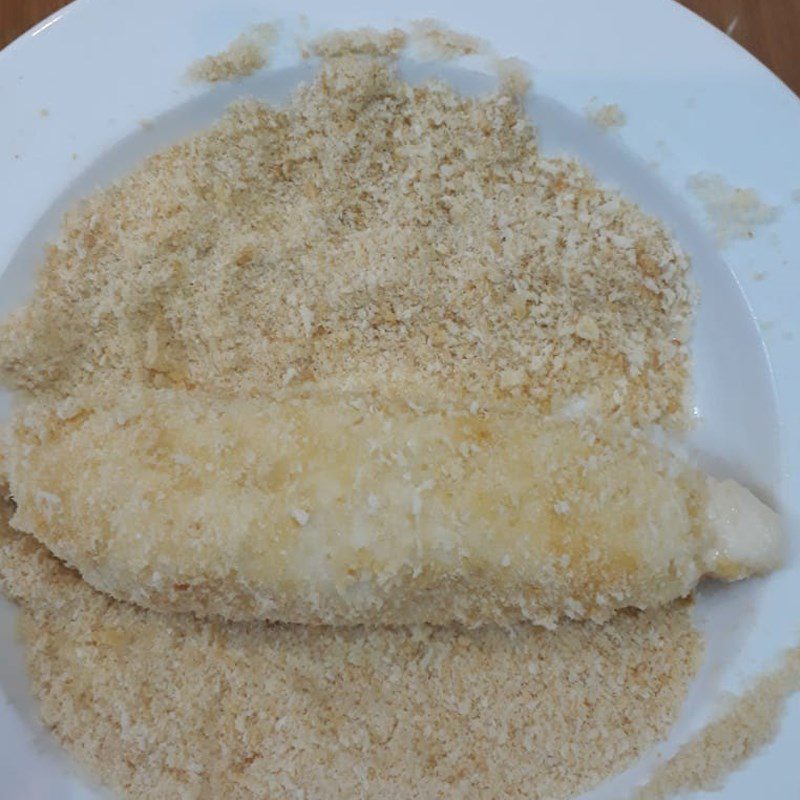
(349, 510)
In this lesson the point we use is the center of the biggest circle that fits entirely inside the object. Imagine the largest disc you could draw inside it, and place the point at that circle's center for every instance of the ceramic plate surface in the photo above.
(76, 89)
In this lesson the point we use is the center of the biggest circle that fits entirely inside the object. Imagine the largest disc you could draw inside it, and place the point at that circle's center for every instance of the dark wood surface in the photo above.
(770, 29)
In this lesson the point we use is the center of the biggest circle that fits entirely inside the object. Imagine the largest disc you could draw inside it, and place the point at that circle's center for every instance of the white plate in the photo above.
(694, 102)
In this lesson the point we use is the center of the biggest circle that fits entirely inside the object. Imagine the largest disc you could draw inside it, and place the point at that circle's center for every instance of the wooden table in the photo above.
(770, 29)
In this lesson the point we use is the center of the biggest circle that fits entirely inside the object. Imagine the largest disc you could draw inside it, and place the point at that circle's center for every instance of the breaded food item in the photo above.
(347, 509)
(168, 706)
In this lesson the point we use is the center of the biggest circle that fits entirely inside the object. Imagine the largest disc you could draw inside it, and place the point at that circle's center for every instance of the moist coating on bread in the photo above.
(347, 510)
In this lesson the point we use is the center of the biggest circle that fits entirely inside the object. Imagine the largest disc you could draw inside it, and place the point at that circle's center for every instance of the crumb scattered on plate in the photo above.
(606, 116)
(247, 53)
(435, 41)
(750, 722)
(514, 75)
(361, 41)
(733, 212)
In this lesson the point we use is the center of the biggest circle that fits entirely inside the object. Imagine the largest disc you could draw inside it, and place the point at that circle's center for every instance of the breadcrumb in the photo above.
(432, 40)
(732, 211)
(724, 745)
(362, 41)
(515, 76)
(373, 236)
(247, 53)
(606, 116)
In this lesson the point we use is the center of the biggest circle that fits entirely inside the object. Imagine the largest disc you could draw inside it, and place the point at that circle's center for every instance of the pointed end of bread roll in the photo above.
(746, 534)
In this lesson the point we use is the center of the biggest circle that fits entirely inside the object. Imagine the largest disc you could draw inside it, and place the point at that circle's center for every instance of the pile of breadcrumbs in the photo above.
(372, 236)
